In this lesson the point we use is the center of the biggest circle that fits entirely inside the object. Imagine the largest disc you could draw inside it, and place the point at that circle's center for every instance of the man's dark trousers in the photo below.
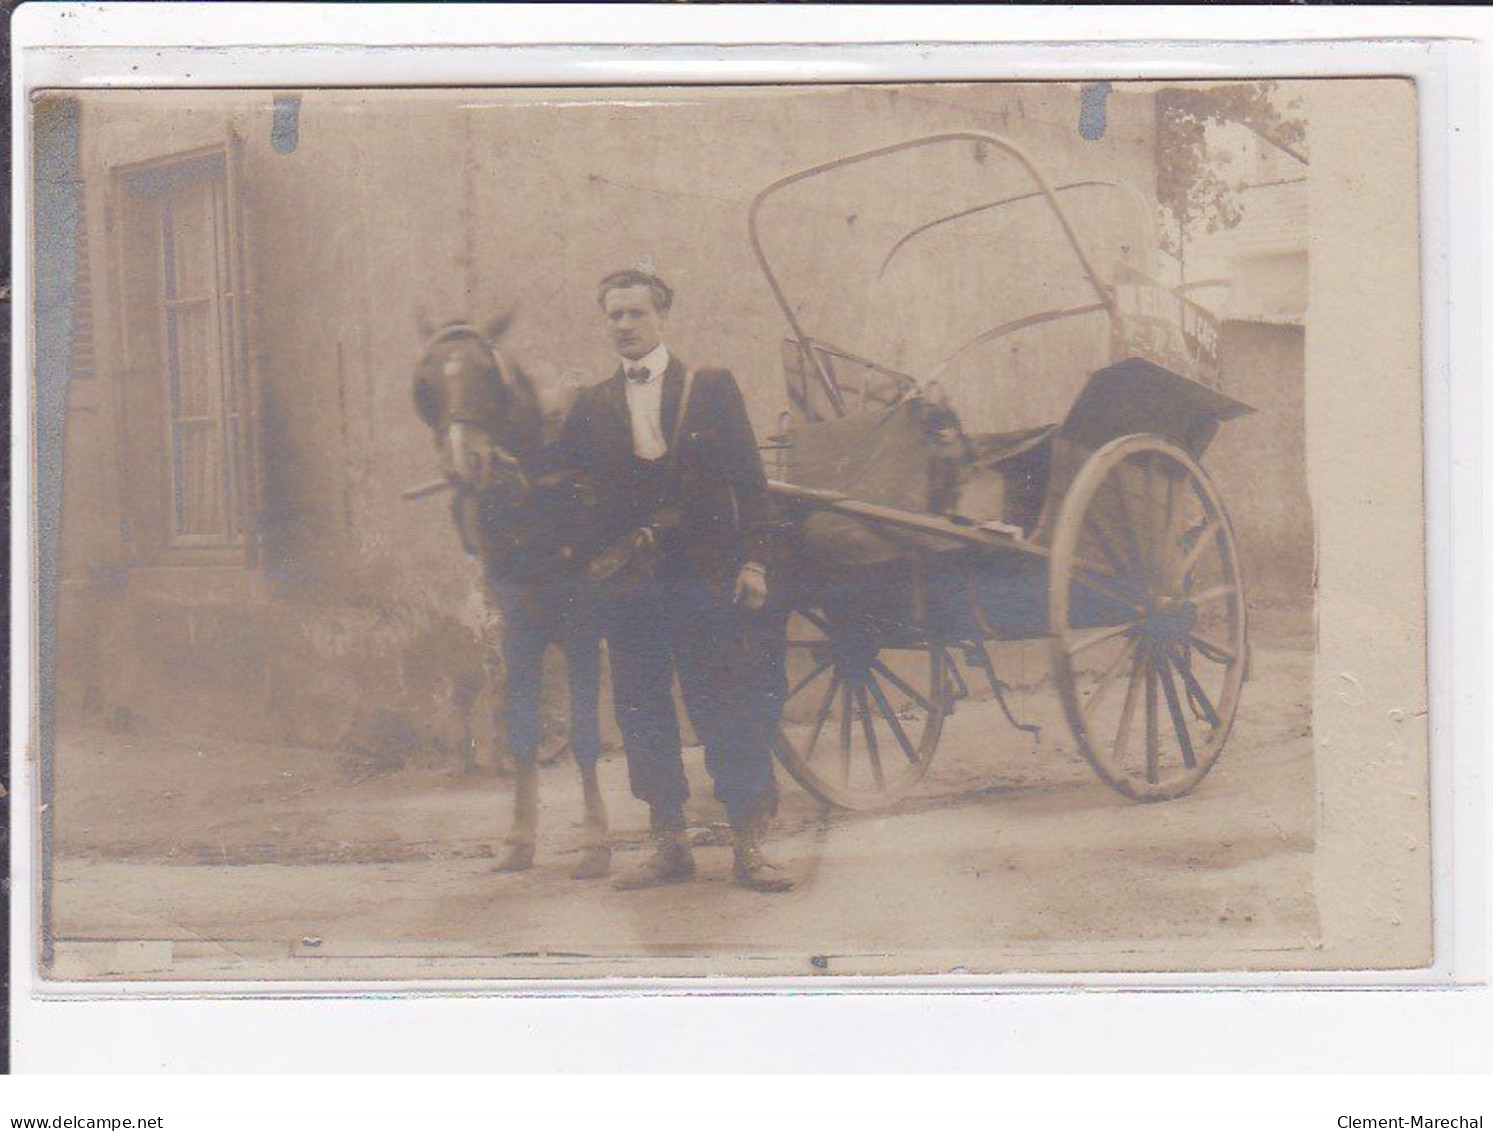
(729, 663)
(729, 660)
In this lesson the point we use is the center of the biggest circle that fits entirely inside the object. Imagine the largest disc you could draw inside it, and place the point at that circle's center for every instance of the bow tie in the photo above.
(639, 375)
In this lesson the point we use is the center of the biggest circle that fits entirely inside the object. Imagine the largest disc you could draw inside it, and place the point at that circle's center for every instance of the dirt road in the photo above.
(200, 861)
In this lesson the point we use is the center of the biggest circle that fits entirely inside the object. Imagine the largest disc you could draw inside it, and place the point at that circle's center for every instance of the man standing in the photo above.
(679, 482)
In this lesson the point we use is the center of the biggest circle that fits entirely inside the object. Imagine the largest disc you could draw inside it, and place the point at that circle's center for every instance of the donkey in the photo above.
(533, 532)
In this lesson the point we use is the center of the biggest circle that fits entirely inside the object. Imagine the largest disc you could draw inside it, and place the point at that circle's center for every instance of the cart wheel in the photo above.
(862, 716)
(1145, 596)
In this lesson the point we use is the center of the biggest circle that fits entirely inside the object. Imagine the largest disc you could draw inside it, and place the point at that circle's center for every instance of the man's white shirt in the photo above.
(645, 404)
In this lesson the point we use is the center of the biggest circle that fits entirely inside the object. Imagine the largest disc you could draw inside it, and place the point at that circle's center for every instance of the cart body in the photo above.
(908, 536)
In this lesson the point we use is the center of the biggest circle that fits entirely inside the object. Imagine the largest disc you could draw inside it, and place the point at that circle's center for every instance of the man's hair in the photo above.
(663, 294)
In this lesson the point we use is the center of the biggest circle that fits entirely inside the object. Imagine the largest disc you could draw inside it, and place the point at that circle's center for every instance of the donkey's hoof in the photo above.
(515, 858)
(596, 862)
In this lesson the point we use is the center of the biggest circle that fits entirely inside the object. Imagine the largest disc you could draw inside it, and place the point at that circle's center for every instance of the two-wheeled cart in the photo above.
(912, 546)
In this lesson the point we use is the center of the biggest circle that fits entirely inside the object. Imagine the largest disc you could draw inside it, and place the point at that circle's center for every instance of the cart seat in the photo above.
(1006, 477)
(992, 448)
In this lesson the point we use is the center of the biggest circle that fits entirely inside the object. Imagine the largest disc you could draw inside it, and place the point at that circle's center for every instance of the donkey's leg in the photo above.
(518, 847)
(523, 651)
(583, 667)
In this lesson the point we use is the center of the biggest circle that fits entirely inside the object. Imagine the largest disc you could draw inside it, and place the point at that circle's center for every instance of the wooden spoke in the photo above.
(1132, 697)
(1153, 736)
(1100, 524)
(1129, 528)
(1104, 590)
(891, 717)
(1174, 707)
(902, 685)
(1101, 571)
(1195, 690)
(1087, 640)
(1152, 534)
(870, 731)
(1107, 680)
(1169, 515)
(1106, 549)
(1190, 559)
(822, 717)
(810, 678)
(1166, 534)
(808, 643)
(845, 713)
(1212, 593)
(1210, 651)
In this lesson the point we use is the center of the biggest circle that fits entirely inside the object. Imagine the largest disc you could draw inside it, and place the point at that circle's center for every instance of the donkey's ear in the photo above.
(498, 324)
(423, 324)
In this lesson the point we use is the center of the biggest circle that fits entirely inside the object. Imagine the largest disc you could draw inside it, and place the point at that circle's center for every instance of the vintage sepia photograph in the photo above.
(766, 531)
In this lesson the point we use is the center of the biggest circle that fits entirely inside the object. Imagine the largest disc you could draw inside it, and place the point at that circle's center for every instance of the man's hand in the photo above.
(633, 550)
(751, 587)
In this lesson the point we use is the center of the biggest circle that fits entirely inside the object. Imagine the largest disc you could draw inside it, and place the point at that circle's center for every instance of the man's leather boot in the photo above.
(750, 868)
(671, 861)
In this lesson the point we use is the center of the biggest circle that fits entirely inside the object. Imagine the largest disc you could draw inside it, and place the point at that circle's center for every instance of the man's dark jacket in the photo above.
(723, 512)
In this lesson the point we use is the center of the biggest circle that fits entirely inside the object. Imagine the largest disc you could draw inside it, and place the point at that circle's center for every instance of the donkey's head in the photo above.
(482, 408)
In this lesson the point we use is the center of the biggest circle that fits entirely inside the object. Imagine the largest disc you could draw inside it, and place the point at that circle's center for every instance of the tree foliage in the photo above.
(1189, 187)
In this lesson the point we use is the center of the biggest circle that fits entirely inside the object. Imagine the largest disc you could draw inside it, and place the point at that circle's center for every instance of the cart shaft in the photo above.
(989, 535)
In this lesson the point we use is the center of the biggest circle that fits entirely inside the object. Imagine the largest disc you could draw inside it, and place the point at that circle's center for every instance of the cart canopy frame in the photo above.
(1148, 319)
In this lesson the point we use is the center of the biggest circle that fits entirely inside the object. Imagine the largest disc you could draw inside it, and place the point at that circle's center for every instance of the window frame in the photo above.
(155, 538)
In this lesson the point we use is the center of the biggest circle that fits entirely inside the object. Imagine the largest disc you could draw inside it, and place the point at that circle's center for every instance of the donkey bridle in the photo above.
(459, 330)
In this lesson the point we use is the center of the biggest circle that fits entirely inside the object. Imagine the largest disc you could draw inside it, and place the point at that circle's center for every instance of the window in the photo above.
(186, 356)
